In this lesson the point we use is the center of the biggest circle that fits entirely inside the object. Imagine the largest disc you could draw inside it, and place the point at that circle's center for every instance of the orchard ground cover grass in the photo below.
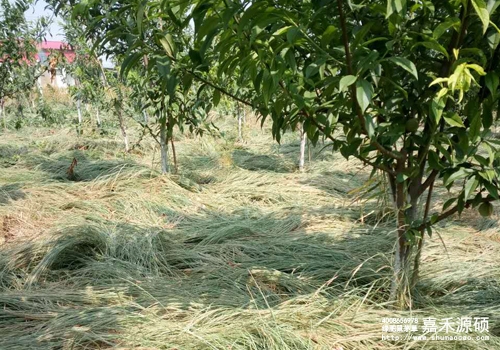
(238, 250)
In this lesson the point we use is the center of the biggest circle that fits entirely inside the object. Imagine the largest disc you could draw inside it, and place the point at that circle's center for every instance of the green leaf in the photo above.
(328, 35)
(492, 6)
(434, 162)
(169, 45)
(290, 60)
(470, 187)
(448, 203)
(429, 231)
(282, 30)
(311, 70)
(400, 177)
(442, 93)
(463, 141)
(370, 125)
(365, 29)
(443, 27)
(454, 119)
(187, 81)
(346, 81)
(459, 174)
(195, 57)
(437, 107)
(406, 64)
(492, 82)
(172, 85)
(477, 68)
(397, 86)
(267, 87)
(487, 117)
(491, 151)
(250, 14)
(481, 160)
(216, 98)
(433, 45)
(309, 97)
(140, 16)
(492, 189)
(364, 93)
(292, 35)
(493, 40)
(444, 151)
(482, 12)
(129, 62)
(475, 127)
(395, 6)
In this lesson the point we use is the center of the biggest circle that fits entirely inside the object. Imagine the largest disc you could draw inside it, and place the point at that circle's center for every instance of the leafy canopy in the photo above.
(19, 68)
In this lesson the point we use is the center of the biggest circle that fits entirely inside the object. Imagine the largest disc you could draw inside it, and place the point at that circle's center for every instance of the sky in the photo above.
(55, 31)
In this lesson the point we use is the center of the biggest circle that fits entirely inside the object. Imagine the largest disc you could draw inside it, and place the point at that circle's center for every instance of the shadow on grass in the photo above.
(291, 151)
(10, 193)
(260, 162)
(106, 276)
(85, 169)
(9, 155)
(97, 275)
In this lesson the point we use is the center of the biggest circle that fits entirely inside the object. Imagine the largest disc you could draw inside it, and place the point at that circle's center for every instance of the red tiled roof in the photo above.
(46, 46)
(57, 45)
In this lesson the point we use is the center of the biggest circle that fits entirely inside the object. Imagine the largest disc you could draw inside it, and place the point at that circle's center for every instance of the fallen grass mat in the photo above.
(237, 251)
(129, 287)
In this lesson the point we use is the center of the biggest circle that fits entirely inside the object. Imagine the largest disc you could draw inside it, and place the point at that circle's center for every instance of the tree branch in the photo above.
(355, 103)
(448, 213)
(222, 90)
(430, 180)
(364, 160)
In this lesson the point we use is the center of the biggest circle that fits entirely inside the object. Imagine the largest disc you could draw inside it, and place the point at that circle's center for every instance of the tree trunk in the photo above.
(240, 120)
(145, 114)
(163, 148)
(303, 140)
(39, 84)
(176, 167)
(2, 113)
(402, 267)
(122, 127)
(400, 286)
(97, 116)
(420, 245)
(79, 110)
(309, 151)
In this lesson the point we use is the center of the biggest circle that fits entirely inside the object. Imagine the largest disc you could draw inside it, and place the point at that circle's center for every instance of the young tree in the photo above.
(86, 69)
(409, 88)
(19, 69)
(150, 43)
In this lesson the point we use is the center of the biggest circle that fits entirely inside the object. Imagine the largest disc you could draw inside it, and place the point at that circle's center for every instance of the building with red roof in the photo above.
(51, 53)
